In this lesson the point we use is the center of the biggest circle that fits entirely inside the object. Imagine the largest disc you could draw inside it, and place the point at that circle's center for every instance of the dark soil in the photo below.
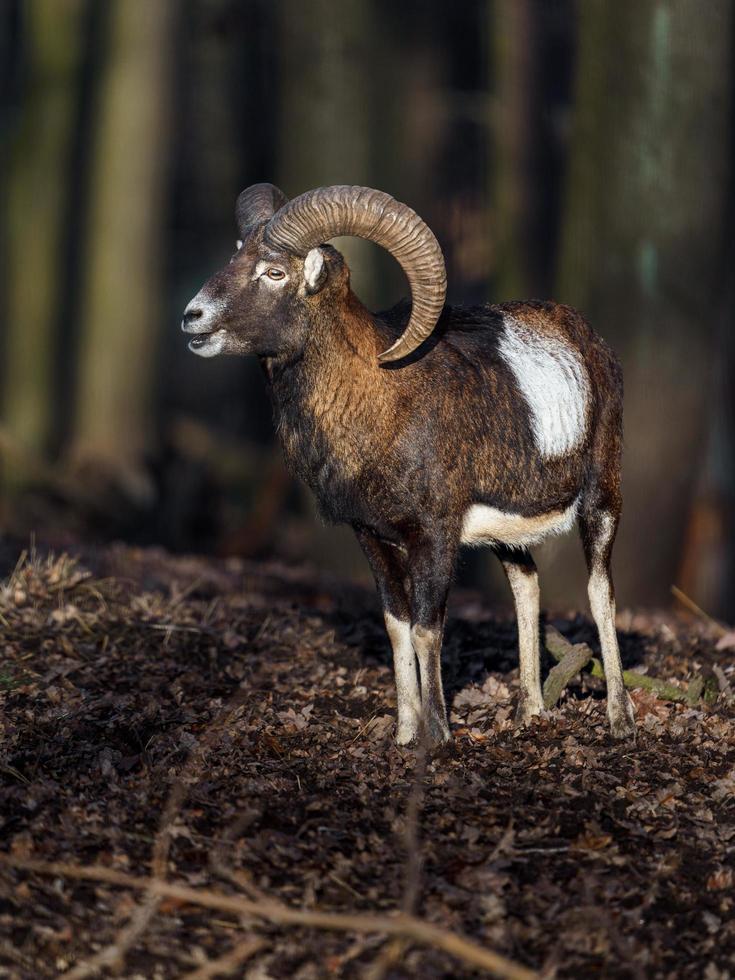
(552, 844)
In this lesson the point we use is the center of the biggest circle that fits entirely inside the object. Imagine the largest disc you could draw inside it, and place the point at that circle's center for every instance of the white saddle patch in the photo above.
(488, 525)
(554, 382)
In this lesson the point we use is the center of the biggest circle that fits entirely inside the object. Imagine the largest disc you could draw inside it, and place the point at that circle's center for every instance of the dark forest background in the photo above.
(579, 151)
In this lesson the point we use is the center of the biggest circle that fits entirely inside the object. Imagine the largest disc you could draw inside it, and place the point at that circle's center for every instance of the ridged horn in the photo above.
(327, 212)
(256, 204)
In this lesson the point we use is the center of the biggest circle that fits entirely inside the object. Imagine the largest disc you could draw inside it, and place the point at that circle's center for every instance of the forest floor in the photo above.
(230, 726)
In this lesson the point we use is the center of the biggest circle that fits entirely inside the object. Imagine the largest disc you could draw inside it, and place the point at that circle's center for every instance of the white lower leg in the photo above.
(602, 604)
(407, 684)
(524, 585)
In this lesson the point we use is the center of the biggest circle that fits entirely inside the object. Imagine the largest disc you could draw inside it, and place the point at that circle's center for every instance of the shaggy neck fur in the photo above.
(330, 401)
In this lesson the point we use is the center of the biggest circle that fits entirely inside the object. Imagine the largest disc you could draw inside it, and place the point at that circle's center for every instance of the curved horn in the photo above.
(324, 213)
(256, 204)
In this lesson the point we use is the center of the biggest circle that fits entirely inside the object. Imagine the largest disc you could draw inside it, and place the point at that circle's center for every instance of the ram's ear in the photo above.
(315, 271)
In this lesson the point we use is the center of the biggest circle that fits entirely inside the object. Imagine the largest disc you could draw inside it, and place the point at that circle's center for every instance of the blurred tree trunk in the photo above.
(326, 75)
(512, 27)
(326, 60)
(122, 308)
(411, 87)
(35, 212)
(643, 260)
(708, 559)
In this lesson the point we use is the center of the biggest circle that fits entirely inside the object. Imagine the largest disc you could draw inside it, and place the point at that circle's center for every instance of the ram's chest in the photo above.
(332, 459)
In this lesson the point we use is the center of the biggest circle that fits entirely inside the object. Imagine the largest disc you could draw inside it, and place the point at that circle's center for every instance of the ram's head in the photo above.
(262, 302)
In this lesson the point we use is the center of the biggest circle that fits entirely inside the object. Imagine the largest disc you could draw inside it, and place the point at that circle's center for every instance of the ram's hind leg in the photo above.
(598, 527)
(520, 570)
(390, 574)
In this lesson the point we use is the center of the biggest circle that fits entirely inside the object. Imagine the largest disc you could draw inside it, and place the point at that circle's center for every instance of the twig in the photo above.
(228, 962)
(344, 884)
(16, 773)
(505, 844)
(191, 587)
(559, 647)
(407, 926)
(722, 682)
(412, 880)
(219, 865)
(176, 628)
(694, 690)
(692, 606)
(412, 884)
(114, 953)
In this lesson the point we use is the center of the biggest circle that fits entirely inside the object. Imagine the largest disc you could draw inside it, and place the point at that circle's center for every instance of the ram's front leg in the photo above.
(388, 566)
(431, 560)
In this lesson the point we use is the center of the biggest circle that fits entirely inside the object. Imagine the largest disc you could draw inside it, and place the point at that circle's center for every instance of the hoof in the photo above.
(622, 717)
(527, 710)
(437, 732)
(407, 733)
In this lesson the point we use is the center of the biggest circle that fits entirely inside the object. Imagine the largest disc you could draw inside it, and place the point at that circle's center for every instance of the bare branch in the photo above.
(113, 955)
(406, 926)
(228, 962)
(393, 952)
(692, 606)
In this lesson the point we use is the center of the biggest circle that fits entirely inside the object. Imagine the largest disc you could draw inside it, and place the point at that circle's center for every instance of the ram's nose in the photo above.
(191, 322)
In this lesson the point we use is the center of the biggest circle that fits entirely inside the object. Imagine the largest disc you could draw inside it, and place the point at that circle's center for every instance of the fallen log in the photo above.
(571, 660)
(574, 657)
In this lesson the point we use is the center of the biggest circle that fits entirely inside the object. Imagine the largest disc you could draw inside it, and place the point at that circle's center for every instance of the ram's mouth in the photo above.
(200, 340)
(208, 344)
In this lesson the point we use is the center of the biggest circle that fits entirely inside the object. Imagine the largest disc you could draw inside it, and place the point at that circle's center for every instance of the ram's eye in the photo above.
(275, 274)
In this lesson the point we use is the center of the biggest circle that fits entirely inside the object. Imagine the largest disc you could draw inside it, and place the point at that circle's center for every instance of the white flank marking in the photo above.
(485, 525)
(554, 382)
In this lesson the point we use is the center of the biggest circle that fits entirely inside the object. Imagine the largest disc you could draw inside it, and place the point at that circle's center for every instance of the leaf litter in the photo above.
(552, 844)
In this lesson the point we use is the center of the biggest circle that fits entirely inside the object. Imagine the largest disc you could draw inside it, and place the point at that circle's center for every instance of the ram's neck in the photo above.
(331, 398)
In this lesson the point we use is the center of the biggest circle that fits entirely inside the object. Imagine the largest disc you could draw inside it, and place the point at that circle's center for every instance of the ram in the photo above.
(426, 427)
